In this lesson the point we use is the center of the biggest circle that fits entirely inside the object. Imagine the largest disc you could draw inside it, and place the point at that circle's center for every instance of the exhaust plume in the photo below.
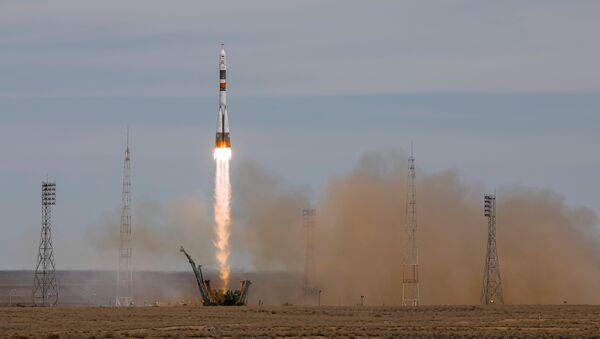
(222, 209)
(158, 232)
(268, 228)
(549, 251)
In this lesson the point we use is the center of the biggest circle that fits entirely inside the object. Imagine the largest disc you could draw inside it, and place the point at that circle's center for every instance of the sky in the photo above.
(507, 93)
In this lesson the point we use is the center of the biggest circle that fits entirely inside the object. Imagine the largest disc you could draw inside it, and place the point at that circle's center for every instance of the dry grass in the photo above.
(197, 321)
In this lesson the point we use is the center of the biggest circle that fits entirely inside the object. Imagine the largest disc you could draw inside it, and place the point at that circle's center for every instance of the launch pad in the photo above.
(222, 297)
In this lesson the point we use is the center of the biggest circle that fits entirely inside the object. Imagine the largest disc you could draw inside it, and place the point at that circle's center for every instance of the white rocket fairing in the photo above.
(222, 140)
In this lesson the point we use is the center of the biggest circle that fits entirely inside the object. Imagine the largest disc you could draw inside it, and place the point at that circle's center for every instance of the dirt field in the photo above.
(197, 321)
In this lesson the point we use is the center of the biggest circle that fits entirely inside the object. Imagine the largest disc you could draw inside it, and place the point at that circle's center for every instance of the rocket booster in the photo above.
(222, 140)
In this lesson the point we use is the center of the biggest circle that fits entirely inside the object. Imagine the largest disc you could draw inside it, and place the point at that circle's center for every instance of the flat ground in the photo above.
(198, 321)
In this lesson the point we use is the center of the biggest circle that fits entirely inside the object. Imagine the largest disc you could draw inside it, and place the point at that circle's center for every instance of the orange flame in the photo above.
(222, 212)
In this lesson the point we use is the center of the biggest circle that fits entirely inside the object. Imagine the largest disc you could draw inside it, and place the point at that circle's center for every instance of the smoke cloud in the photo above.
(267, 229)
(158, 231)
(549, 252)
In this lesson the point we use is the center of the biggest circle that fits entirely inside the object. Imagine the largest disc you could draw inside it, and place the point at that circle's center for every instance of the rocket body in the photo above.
(222, 140)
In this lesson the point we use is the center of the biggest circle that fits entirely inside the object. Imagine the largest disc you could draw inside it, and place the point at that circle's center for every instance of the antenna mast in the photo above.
(125, 272)
(491, 292)
(410, 277)
(309, 290)
(45, 286)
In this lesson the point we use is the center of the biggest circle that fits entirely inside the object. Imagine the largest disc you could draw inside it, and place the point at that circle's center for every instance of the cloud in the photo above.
(112, 48)
(545, 246)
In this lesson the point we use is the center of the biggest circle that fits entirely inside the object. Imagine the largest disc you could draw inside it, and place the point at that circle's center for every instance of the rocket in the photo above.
(222, 140)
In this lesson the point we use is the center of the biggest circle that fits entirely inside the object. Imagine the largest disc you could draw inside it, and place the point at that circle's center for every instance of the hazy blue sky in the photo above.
(506, 92)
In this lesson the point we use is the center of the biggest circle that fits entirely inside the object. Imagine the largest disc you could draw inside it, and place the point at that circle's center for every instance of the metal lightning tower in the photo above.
(309, 290)
(125, 271)
(410, 276)
(491, 292)
(45, 286)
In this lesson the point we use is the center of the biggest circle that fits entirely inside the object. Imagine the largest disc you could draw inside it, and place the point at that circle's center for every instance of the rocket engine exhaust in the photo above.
(222, 156)
(222, 212)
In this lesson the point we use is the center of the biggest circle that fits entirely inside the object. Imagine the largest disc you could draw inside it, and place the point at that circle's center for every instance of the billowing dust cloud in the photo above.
(549, 252)
(158, 231)
(267, 227)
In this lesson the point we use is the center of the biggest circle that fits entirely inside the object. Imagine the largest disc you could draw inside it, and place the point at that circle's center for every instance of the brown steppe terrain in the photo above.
(282, 321)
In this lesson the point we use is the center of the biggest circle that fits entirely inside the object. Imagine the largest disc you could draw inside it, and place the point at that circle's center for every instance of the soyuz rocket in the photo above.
(222, 140)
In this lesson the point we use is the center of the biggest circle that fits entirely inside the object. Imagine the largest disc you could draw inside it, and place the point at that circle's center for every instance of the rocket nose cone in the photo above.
(222, 52)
